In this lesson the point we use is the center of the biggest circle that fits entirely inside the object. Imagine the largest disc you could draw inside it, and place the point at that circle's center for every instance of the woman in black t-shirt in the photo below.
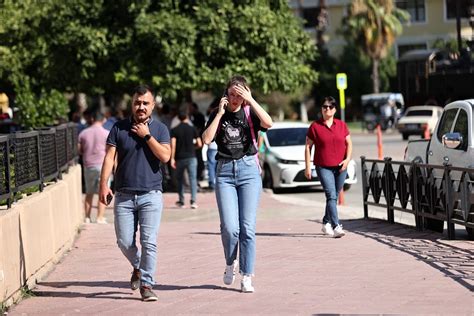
(234, 125)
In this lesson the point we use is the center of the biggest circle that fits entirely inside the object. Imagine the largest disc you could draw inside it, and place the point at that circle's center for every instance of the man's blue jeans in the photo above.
(332, 181)
(238, 188)
(189, 164)
(144, 209)
(211, 167)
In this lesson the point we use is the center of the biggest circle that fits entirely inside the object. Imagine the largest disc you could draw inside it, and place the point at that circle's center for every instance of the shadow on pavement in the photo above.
(116, 295)
(453, 262)
(310, 235)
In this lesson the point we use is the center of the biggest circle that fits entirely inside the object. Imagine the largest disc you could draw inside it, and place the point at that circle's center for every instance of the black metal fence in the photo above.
(31, 159)
(434, 194)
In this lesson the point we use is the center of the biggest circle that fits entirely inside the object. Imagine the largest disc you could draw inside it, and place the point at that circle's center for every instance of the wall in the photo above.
(37, 231)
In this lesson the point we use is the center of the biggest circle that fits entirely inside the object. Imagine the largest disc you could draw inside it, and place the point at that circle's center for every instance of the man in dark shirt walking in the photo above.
(140, 145)
(184, 142)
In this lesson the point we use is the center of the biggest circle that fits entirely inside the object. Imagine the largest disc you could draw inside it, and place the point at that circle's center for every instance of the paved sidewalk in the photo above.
(376, 268)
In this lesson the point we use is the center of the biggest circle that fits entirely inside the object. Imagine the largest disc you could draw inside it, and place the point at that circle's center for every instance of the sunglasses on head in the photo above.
(331, 107)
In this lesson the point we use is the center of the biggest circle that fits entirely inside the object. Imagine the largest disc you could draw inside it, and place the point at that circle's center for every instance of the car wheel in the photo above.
(267, 178)
(346, 186)
(405, 136)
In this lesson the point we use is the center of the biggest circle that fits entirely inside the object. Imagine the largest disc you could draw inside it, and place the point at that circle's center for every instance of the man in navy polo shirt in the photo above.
(140, 144)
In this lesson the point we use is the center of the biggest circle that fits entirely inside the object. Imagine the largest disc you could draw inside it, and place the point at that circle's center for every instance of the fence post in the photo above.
(414, 195)
(388, 189)
(448, 200)
(8, 173)
(364, 187)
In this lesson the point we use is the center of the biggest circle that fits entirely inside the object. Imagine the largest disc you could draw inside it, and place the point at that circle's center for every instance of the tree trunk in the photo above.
(375, 75)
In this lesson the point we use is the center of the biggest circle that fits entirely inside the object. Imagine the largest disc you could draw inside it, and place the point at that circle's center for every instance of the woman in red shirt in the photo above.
(333, 150)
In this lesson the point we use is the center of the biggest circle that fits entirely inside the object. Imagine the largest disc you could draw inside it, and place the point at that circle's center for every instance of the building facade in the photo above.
(430, 20)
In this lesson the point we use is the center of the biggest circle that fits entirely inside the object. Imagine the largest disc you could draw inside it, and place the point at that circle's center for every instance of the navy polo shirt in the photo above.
(138, 169)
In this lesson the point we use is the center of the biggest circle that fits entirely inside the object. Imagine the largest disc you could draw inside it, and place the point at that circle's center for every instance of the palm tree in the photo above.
(373, 25)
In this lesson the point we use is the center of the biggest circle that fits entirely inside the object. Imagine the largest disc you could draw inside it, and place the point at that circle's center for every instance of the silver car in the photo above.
(282, 158)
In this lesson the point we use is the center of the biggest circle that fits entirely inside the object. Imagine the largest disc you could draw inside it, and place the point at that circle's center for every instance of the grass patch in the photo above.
(355, 127)
(25, 292)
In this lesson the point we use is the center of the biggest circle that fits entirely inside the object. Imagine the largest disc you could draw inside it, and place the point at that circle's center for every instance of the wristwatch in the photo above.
(147, 137)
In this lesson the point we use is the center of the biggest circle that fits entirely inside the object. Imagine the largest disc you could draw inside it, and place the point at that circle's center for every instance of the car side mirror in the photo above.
(452, 140)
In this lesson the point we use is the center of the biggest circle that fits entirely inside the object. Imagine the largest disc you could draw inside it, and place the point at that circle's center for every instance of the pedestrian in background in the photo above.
(184, 142)
(141, 144)
(91, 146)
(199, 121)
(332, 153)
(234, 125)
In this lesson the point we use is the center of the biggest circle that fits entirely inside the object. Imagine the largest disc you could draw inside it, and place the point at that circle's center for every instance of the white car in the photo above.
(282, 158)
(417, 118)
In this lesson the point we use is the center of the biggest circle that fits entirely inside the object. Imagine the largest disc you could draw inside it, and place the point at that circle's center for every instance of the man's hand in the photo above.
(307, 173)
(141, 129)
(173, 163)
(103, 192)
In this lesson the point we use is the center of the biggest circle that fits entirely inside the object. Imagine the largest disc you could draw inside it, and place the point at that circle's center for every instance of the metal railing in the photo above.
(31, 159)
(429, 192)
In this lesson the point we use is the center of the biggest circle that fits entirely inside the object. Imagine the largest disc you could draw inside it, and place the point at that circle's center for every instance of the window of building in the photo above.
(416, 8)
(402, 49)
(451, 9)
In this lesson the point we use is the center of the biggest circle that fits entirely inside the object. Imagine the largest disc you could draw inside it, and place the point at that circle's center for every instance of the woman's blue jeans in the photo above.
(238, 188)
(332, 181)
(139, 208)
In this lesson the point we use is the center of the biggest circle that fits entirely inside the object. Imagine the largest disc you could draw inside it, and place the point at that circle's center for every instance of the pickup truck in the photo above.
(452, 141)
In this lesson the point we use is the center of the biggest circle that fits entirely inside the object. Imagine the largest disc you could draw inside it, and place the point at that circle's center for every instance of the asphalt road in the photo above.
(364, 144)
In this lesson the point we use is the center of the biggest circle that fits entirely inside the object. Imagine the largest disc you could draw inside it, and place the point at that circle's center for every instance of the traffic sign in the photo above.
(341, 81)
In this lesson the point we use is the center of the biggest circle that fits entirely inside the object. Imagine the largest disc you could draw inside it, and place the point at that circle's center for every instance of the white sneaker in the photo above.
(87, 220)
(194, 205)
(338, 232)
(327, 229)
(229, 273)
(102, 220)
(246, 284)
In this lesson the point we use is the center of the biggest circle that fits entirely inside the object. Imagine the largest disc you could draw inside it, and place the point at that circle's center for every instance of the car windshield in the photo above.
(419, 113)
(287, 136)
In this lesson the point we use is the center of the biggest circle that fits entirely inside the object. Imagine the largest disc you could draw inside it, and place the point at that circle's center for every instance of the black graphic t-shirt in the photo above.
(233, 136)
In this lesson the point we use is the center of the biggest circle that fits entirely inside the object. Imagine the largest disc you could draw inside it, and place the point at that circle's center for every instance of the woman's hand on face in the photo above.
(222, 105)
(244, 92)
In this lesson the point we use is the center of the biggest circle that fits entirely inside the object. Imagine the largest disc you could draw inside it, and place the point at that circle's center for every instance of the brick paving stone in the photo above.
(377, 268)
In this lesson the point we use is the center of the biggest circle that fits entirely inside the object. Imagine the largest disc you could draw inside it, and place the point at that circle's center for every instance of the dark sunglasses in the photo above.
(331, 107)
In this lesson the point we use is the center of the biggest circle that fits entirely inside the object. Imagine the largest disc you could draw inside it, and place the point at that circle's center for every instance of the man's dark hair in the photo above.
(183, 112)
(96, 115)
(143, 89)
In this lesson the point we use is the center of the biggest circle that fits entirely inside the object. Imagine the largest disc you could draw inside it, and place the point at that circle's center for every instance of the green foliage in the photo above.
(356, 65)
(46, 109)
(97, 46)
(450, 45)
(373, 25)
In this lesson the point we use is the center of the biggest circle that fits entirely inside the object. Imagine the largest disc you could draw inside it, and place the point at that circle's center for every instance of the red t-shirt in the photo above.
(330, 142)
